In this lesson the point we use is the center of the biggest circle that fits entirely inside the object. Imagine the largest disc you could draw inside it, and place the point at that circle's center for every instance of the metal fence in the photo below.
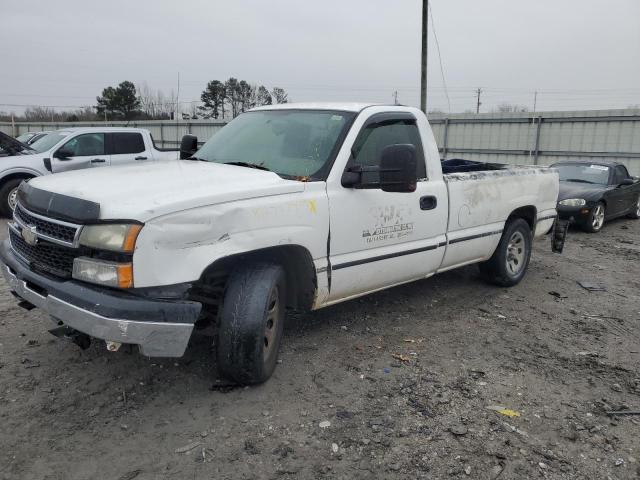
(538, 138)
(541, 138)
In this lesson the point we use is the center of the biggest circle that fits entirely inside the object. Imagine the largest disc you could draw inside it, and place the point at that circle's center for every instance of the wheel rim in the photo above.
(638, 208)
(516, 253)
(598, 217)
(271, 323)
(13, 198)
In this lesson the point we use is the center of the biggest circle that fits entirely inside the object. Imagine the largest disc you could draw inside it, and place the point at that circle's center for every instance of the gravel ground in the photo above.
(394, 385)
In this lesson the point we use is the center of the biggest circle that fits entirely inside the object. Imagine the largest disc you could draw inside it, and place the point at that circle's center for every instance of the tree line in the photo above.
(126, 101)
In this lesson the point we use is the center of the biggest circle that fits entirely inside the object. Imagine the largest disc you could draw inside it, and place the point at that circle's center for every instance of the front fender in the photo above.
(19, 171)
(177, 248)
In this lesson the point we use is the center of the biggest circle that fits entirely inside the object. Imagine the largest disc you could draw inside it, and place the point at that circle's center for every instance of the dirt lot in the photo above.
(395, 385)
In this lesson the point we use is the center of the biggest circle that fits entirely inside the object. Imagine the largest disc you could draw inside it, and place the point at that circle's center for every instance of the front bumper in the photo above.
(578, 215)
(161, 328)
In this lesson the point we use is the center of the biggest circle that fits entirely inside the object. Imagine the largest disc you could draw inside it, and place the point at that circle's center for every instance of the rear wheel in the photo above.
(508, 264)
(636, 212)
(9, 196)
(596, 219)
(251, 323)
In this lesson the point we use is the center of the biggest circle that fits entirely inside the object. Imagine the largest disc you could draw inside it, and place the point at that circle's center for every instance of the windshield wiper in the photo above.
(197, 158)
(249, 165)
(578, 180)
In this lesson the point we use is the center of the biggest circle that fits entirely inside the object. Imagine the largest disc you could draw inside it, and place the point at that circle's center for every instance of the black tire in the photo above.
(508, 264)
(251, 323)
(635, 213)
(593, 224)
(7, 188)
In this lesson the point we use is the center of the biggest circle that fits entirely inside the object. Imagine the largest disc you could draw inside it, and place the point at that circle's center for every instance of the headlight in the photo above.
(116, 237)
(573, 202)
(111, 274)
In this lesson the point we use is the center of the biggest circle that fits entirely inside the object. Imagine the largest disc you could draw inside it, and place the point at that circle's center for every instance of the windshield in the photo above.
(48, 141)
(583, 173)
(291, 143)
(25, 137)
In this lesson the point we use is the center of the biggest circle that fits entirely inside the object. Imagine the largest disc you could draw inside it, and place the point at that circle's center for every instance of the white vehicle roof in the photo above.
(340, 106)
(70, 130)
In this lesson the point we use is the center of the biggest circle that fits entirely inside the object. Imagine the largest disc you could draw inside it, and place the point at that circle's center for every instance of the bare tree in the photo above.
(279, 95)
(263, 96)
(154, 104)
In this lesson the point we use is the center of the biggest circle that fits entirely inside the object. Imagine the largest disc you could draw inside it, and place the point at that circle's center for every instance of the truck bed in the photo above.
(460, 165)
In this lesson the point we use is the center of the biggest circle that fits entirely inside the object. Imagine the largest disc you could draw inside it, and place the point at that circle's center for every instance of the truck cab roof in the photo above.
(338, 106)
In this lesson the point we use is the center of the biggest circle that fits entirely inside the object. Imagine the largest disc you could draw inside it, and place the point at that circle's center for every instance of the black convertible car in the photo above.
(593, 192)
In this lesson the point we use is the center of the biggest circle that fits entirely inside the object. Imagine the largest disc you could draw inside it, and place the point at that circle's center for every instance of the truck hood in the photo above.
(11, 146)
(143, 192)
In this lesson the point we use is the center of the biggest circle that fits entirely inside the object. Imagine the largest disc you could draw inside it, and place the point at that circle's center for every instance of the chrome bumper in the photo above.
(156, 339)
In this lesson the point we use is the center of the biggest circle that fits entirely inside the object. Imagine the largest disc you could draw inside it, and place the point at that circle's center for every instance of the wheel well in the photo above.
(296, 261)
(528, 214)
(13, 176)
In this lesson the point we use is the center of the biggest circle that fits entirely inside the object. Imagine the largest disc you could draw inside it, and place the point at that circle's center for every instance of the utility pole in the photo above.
(535, 100)
(423, 73)
(478, 92)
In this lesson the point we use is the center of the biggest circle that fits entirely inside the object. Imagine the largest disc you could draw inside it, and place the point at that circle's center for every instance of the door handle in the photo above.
(140, 158)
(98, 160)
(428, 202)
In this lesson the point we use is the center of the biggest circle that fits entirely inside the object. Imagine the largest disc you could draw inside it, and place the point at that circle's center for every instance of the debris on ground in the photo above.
(400, 357)
(504, 411)
(557, 295)
(592, 287)
(188, 447)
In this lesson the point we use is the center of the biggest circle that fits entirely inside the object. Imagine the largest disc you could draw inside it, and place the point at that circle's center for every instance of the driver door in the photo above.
(86, 150)
(379, 238)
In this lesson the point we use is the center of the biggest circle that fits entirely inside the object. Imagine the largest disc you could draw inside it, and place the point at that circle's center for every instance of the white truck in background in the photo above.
(288, 206)
(74, 149)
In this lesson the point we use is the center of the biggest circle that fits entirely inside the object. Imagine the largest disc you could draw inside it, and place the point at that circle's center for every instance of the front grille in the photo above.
(44, 256)
(53, 229)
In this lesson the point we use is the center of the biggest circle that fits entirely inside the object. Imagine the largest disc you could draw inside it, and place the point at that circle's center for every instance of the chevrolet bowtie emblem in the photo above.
(29, 235)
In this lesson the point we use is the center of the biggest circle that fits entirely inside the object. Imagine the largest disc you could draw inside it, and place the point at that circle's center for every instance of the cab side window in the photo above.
(86, 145)
(127, 142)
(619, 174)
(372, 140)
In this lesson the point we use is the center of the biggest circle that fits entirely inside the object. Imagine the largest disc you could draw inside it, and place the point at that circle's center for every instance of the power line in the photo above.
(444, 83)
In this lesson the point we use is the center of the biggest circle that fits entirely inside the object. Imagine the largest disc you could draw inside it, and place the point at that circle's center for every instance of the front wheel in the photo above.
(251, 323)
(509, 262)
(596, 219)
(9, 196)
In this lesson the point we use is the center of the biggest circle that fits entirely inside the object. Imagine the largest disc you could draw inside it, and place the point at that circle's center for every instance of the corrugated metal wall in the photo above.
(540, 138)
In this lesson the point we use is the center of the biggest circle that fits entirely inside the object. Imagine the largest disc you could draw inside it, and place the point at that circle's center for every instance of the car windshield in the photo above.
(25, 137)
(291, 143)
(583, 173)
(48, 141)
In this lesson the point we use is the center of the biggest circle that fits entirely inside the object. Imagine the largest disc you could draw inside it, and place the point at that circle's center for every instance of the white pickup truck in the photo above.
(288, 206)
(73, 149)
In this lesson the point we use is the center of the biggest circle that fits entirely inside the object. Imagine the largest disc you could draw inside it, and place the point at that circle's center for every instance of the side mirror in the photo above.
(63, 154)
(399, 168)
(626, 182)
(188, 146)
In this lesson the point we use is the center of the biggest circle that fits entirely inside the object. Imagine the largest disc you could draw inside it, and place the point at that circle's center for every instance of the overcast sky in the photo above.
(578, 54)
